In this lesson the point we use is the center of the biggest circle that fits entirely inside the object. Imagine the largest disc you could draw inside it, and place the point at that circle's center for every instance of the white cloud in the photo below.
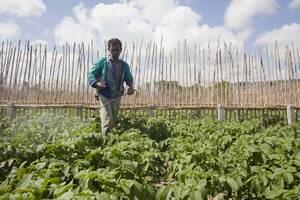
(22, 8)
(8, 30)
(128, 23)
(295, 4)
(179, 23)
(137, 19)
(240, 13)
(284, 35)
(153, 10)
(78, 28)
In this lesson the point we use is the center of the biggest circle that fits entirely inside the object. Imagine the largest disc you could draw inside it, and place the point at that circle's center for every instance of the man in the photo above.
(108, 76)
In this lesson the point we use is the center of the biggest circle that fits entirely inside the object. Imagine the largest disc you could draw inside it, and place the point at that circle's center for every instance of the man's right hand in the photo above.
(100, 85)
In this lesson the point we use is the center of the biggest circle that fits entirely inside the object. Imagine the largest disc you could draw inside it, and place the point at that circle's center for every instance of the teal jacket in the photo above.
(103, 71)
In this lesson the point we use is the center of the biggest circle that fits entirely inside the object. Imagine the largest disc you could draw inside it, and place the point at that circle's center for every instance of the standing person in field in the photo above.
(108, 76)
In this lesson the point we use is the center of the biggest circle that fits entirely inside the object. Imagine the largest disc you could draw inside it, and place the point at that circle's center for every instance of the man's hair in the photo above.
(114, 41)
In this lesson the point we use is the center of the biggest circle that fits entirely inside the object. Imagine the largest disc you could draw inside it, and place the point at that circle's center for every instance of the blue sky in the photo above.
(56, 21)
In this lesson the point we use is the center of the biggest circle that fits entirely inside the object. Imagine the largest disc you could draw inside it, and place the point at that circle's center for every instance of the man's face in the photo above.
(115, 51)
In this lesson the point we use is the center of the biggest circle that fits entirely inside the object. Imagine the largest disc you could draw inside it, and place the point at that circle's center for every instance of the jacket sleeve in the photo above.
(128, 78)
(95, 73)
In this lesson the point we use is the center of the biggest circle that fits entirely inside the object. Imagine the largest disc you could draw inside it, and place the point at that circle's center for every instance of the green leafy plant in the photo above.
(49, 156)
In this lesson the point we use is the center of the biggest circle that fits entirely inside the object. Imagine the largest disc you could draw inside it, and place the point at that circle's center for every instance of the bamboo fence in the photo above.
(186, 76)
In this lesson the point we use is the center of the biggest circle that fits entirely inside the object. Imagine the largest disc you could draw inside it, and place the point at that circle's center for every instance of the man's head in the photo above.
(114, 48)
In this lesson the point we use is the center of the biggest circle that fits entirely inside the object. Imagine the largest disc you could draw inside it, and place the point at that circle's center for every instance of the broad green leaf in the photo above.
(264, 180)
(40, 165)
(274, 194)
(289, 177)
(162, 193)
(63, 189)
(66, 196)
(232, 183)
(126, 185)
(196, 195)
(103, 196)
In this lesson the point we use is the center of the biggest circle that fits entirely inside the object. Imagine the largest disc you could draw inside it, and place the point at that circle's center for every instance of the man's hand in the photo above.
(100, 85)
(130, 91)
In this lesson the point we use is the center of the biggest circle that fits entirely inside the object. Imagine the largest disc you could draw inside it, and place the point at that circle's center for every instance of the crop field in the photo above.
(150, 100)
(45, 156)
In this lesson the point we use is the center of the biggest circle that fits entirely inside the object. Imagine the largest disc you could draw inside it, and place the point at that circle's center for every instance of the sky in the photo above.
(251, 22)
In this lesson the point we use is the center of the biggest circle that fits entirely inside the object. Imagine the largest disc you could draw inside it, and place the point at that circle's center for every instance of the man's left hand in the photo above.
(130, 91)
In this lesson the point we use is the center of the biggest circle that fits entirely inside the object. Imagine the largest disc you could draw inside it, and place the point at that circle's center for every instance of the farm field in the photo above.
(45, 156)
(150, 100)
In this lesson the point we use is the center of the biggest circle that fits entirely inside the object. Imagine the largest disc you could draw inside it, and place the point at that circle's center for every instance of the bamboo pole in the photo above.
(2, 65)
(7, 69)
(170, 80)
(252, 82)
(276, 87)
(199, 78)
(82, 78)
(290, 74)
(298, 63)
(77, 73)
(185, 73)
(139, 60)
(173, 85)
(11, 73)
(282, 81)
(262, 81)
(87, 100)
(72, 85)
(21, 72)
(34, 89)
(56, 91)
(53, 67)
(147, 81)
(40, 72)
(163, 79)
(226, 77)
(143, 91)
(79, 64)
(222, 100)
(127, 99)
(164, 73)
(69, 75)
(205, 94)
(295, 78)
(62, 79)
(45, 90)
(269, 93)
(159, 74)
(210, 87)
(19, 55)
(6, 61)
(28, 94)
(180, 89)
(154, 79)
